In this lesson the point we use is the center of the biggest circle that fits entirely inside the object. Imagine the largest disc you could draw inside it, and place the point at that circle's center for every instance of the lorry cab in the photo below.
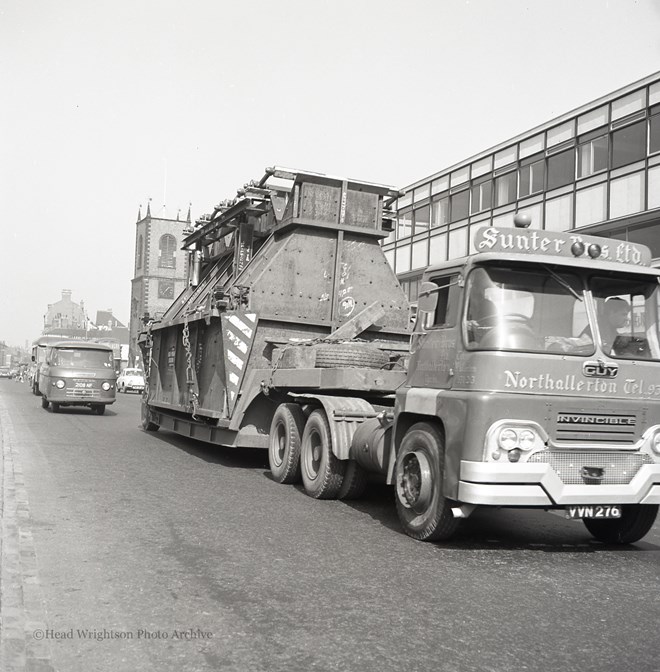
(77, 373)
(539, 359)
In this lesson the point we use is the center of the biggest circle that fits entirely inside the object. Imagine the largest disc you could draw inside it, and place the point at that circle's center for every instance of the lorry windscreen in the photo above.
(528, 309)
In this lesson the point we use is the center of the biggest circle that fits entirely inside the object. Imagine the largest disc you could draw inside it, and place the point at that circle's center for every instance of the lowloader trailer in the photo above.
(516, 386)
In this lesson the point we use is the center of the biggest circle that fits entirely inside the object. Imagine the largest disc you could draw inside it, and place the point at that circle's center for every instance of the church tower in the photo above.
(160, 272)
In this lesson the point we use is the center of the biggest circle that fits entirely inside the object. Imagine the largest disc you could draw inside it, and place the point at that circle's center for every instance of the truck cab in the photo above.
(535, 376)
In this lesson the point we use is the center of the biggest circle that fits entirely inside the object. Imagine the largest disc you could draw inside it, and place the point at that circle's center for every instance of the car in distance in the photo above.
(5, 372)
(131, 380)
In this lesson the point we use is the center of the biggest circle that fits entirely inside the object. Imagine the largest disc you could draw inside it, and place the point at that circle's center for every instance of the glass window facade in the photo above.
(583, 170)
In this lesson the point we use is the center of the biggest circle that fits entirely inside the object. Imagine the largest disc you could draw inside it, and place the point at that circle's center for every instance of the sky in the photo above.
(107, 105)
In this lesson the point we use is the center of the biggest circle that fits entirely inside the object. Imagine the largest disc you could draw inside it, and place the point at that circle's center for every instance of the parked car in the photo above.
(131, 380)
(5, 372)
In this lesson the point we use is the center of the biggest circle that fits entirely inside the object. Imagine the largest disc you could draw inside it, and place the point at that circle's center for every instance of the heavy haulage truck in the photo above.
(530, 378)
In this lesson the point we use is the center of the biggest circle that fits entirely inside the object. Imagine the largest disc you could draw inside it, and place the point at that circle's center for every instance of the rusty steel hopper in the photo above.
(293, 261)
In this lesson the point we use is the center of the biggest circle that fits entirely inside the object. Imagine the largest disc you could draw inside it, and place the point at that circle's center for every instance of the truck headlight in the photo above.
(106, 386)
(655, 443)
(516, 440)
(507, 439)
(60, 384)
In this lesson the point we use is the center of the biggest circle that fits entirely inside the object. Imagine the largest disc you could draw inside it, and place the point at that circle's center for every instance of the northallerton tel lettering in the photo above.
(595, 420)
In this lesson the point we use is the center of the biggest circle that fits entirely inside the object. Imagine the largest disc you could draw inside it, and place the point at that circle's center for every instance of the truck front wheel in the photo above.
(322, 472)
(44, 402)
(286, 430)
(636, 520)
(423, 510)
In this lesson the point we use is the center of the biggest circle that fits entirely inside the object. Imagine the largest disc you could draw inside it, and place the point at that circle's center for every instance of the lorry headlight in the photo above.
(507, 439)
(515, 439)
(655, 442)
(106, 386)
(60, 384)
(526, 439)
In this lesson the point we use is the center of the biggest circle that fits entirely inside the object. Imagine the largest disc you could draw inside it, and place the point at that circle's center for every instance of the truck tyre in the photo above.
(354, 355)
(286, 431)
(425, 513)
(44, 402)
(146, 422)
(99, 409)
(636, 520)
(354, 483)
(56, 407)
(322, 473)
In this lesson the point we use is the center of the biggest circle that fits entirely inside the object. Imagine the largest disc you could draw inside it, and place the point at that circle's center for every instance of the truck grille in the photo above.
(82, 394)
(596, 427)
(619, 468)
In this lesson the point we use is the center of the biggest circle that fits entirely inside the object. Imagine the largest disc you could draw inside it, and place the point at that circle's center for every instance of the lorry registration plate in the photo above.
(593, 512)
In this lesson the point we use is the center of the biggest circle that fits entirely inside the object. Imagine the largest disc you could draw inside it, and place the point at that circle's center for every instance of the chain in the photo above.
(147, 362)
(190, 376)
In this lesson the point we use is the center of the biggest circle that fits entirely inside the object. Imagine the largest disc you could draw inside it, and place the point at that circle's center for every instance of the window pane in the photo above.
(481, 196)
(592, 156)
(420, 252)
(531, 178)
(531, 146)
(561, 133)
(590, 205)
(625, 106)
(460, 176)
(561, 169)
(458, 243)
(402, 259)
(505, 189)
(594, 119)
(559, 214)
(654, 188)
(422, 219)
(438, 250)
(629, 144)
(459, 205)
(627, 195)
(440, 212)
(404, 227)
(505, 157)
(482, 167)
(654, 140)
(422, 192)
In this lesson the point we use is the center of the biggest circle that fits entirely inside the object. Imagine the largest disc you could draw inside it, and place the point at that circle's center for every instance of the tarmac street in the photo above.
(128, 551)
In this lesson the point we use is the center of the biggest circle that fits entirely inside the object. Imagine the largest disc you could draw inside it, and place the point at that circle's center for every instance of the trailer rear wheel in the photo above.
(286, 430)
(355, 481)
(44, 402)
(322, 472)
(146, 422)
(425, 513)
(356, 355)
(636, 520)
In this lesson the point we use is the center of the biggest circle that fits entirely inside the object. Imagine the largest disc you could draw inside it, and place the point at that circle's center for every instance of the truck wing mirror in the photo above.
(428, 297)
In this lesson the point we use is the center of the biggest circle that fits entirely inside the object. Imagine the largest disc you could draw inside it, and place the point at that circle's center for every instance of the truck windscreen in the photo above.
(532, 309)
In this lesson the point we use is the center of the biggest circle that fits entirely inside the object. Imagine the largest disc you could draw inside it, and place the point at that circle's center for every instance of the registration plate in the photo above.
(593, 511)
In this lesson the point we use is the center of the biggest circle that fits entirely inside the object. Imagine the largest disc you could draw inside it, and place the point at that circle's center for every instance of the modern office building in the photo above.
(594, 170)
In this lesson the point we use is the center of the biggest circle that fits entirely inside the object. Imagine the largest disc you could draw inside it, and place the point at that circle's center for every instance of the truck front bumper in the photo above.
(525, 484)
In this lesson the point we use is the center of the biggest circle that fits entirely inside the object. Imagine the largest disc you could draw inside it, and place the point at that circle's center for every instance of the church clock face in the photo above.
(166, 289)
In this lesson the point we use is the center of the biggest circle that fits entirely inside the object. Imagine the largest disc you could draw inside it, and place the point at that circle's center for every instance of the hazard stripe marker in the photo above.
(238, 330)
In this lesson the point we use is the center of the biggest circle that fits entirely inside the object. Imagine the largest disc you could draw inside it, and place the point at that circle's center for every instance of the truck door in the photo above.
(433, 352)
